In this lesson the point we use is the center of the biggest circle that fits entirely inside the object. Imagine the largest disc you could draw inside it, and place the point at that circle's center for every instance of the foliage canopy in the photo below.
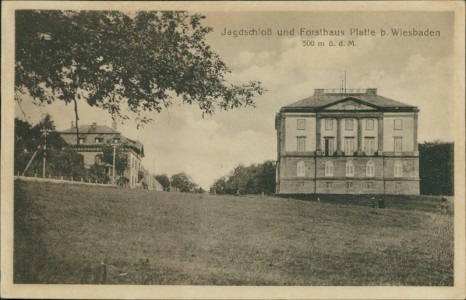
(253, 179)
(123, 61)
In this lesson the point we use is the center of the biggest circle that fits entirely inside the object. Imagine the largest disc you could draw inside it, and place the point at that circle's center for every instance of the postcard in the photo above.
(233, 150)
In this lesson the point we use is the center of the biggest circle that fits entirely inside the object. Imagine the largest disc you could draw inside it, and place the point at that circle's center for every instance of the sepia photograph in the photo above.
(197, 150)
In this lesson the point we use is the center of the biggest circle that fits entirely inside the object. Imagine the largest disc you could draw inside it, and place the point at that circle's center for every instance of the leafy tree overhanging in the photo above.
(115, 60)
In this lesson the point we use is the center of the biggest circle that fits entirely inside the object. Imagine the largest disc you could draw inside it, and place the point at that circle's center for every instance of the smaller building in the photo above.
(91, 139)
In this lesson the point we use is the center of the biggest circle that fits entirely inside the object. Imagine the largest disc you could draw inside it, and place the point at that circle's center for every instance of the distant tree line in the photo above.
(436, 168)
(252, 179)
(179, 182)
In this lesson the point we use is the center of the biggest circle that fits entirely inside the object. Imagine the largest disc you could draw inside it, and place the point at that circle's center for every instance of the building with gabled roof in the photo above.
(92, 138)
(347, 142)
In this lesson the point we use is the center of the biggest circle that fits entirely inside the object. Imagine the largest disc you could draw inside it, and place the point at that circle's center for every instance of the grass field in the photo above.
(63, 232)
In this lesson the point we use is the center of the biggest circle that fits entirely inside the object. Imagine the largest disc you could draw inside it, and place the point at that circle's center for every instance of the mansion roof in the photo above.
(107, 134)
(324, 99)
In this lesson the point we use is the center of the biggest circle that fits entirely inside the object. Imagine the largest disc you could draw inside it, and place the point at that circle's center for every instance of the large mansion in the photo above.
(347, 142)
(92, 139)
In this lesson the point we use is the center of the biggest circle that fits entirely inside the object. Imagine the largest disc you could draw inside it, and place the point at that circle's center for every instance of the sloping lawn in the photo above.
(63, 232)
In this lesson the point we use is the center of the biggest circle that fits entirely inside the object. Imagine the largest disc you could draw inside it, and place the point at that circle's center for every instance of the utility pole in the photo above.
(113, 165)
(45, 132)
(114, 145)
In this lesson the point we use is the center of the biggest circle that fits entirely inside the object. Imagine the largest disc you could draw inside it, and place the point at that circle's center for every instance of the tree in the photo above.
(163, 180)
(220, 186)
(66, 161)
(112, 60)
(121, 158)
(436, 168)
(61, 159)
(183, 182)
(253, 179)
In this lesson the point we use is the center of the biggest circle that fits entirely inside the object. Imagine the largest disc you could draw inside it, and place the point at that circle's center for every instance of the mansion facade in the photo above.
(347, 142)
(93, 138)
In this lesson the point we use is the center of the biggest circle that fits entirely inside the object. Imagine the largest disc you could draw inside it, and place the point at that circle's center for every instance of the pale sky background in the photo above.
(414, 70)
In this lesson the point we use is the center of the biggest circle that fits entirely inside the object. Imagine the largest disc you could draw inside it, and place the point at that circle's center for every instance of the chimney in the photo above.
(318, 91)
(371, 91)
(114, 125)
(72, 124)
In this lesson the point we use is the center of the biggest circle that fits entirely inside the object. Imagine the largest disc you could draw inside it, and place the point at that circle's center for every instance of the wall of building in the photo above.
(410, 166)
(292, 132)
(402, 187)
(406, 133)
(134, 166)
(89, 158)
(301, 186)
(328, 133)
(289, 165)
(370, 133)
(383, 181)
(348, 133)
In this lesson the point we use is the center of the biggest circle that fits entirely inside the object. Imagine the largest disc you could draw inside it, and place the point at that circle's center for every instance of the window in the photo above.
(369, 145)
(116, 140)
(370, 124)
(369, 185)
(329, 146)
(349, 168)
(98, 159)
(398, 185)
(99, 140)
(397, 144)
(300, 170)
(398, 169)
(349, 146)
(82, 140)
(328, 124)
(328, 169)
(329, 185)
(370, 169)
(301, 124)
(398, 124)
(349, 124)
(349, 185)
(301, 141)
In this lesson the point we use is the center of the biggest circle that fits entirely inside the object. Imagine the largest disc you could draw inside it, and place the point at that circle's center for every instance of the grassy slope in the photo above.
(62, 232)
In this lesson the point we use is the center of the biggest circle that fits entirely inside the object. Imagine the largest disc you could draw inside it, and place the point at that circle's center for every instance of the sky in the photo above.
(414, 70)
